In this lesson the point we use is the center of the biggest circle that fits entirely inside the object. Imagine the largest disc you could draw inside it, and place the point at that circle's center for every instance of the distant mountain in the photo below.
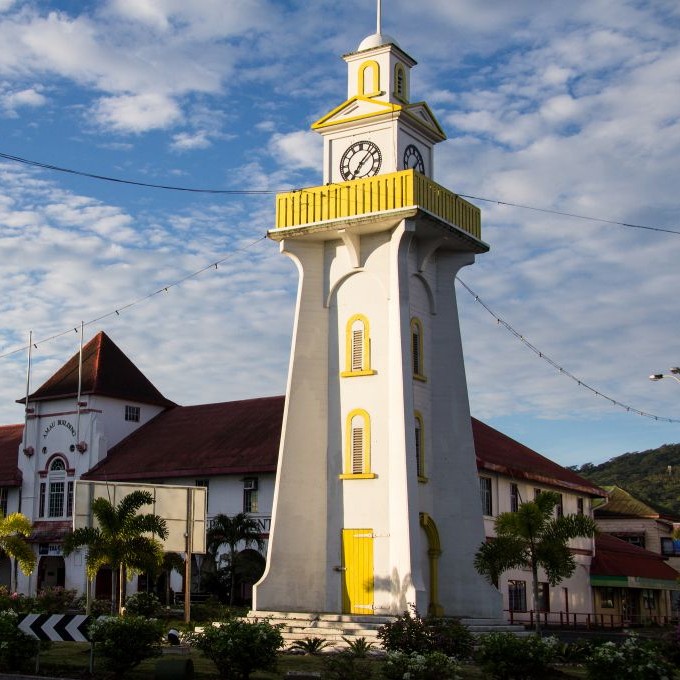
(652, 476)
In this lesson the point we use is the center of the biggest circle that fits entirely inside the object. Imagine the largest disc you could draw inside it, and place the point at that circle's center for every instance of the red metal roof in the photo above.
(496, 452)
(614, 557)
(10, 439)
(106, 372)
(237, 437)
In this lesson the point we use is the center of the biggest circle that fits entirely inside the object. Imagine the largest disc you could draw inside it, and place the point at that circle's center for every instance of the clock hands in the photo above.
(360, 164)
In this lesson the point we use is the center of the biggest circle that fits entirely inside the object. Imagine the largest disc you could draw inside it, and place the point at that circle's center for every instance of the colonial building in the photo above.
(510, 474)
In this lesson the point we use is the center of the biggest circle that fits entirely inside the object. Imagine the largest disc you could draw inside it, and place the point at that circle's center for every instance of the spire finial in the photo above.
(378, 31)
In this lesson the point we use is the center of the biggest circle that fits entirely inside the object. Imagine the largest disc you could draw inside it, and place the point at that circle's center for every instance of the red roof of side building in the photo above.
(497, 452)
(107, 372)
(10, 440)
(614, 557)
(237, 437)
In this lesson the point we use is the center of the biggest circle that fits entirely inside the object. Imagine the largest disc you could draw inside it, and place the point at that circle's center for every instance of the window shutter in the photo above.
(415, 339)
(357, 349)
(357, 450)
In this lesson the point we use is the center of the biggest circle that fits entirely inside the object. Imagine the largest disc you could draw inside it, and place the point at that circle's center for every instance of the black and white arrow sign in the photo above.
(56, 627)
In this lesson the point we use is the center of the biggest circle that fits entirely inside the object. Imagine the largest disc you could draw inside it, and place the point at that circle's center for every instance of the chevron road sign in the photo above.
(57, 627)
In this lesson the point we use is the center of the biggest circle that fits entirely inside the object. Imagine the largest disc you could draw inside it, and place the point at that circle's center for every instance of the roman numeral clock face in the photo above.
(362, 159)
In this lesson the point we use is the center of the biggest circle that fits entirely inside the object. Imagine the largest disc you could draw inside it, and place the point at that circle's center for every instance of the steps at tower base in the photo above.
(339, 629)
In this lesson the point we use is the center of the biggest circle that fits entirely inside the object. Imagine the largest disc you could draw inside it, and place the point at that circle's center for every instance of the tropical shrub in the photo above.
(143, 604)
(415, 666)
(16, 648)
(346, 665)
(359, 647)
(15, 601)
(239, 647)
(310, 645)
(505, 656)
(412, 633)
(55, 600)
(633, 659)
(125, 641)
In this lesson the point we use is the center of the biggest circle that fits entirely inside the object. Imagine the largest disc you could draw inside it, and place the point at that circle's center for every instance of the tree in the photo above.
(120, 541)
(233, 531)
(531, 538)
(14, 530)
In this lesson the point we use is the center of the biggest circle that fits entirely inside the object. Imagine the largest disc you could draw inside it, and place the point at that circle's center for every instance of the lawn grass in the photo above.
(72, 659)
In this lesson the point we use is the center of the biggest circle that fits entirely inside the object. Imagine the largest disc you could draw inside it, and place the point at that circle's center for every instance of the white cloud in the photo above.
(185, 141)
(297, 150)
(137, 113)
(26, 98)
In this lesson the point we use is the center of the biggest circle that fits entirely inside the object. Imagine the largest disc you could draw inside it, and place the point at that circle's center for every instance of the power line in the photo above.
(118, 310)
(554, 364)
(270, 192)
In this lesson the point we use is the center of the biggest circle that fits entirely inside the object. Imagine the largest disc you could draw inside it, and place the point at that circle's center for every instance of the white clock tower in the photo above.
(377, 501)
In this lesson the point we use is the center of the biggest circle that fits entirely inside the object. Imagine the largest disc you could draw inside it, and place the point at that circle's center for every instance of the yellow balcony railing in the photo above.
(404, 189)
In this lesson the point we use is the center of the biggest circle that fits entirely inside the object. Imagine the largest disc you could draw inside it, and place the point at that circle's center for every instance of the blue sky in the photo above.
(573, 107)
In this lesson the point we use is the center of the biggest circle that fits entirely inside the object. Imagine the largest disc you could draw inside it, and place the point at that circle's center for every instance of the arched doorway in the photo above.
(434, 550)
(248, 569)
(51, 572)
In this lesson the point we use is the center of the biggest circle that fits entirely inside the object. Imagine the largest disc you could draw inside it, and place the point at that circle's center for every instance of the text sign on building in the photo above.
(182, 507)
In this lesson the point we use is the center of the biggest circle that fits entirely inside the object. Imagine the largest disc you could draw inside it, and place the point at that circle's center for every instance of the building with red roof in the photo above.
(124, 429)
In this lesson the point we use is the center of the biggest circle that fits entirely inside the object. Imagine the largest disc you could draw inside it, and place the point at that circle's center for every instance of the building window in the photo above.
(369, 78)
(400, 82)
(250, 485)
(543, 604)
(420, 447)
(132, 413)
(537, 493)
(649, 599)
(69, 499)
(517, 596)
(54, 495)
(607, 598)
(417, 362)
(559, 508)
(3, 500)
(634, 539)
(357, 347)
(514, 498)
(41, 501)
(205, 483)
(358, 446)
(56, 500)
(485, 492)
(579, 506)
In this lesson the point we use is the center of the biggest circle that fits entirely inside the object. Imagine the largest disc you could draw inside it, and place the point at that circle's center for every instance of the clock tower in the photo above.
(377, 502)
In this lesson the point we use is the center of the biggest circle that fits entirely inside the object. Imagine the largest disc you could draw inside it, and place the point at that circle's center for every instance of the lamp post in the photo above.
(675, 374)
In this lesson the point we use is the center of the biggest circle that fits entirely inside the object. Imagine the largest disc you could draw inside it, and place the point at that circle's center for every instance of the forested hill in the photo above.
(652, 476)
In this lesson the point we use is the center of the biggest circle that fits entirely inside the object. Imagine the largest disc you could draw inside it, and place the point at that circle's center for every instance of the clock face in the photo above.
(413, 159)
(362, 159)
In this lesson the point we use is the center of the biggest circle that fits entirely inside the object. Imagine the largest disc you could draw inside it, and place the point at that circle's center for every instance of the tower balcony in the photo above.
(396, 191)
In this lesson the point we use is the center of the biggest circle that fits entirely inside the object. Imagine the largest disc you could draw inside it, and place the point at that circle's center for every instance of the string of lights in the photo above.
(269, 192)
(122, 308)
(554, 364)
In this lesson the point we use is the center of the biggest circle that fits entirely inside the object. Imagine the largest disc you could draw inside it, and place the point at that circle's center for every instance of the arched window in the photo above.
(358, 446)
(400, 82)
(417, 359)
(420, 446)
(357, 347)
(56, 495)
(369, 79)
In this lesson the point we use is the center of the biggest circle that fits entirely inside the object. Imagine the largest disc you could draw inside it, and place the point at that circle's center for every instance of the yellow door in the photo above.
(357, 563)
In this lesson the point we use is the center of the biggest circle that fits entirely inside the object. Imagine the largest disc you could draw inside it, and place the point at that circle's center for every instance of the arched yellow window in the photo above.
(400, 82)
(369, 79)
(358, 446)
(357, 347)
(417, 359)
(419, 433)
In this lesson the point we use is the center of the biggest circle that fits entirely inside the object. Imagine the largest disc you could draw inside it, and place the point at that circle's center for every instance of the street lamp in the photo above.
(675, 374)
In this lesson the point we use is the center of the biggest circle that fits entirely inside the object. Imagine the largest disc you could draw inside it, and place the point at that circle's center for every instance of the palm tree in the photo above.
(531, 538)
(14, 529)
(120, 541)
(233, 531)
